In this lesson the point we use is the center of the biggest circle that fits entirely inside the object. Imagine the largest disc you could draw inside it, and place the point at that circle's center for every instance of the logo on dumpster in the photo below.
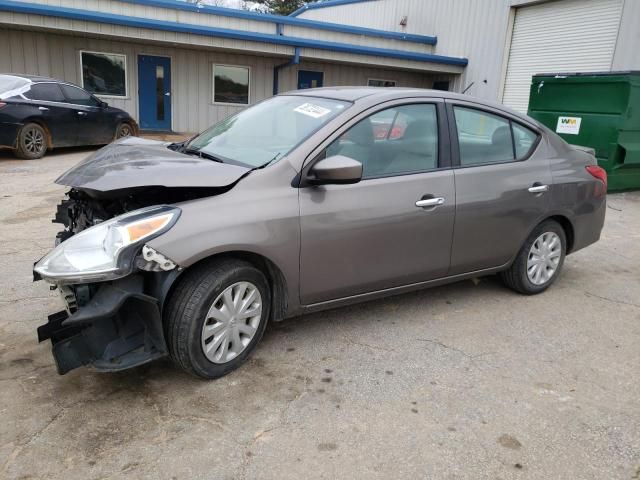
(570, 125)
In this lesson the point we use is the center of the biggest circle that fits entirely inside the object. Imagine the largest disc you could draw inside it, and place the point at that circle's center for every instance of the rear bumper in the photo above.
(119, 327)
(9, 134)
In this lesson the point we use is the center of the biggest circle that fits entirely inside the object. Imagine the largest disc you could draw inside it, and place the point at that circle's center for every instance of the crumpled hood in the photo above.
(137, 162)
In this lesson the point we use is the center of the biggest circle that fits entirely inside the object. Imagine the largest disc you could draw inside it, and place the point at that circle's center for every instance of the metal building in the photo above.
(181, 66)
(506, 41)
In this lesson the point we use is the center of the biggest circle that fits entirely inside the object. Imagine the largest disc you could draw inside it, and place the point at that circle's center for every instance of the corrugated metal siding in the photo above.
(465, 28)
(192, 108)
(133, 33)
(627, 54)
(58, 56)
(567, 36)
(195, 18)
(348, 75)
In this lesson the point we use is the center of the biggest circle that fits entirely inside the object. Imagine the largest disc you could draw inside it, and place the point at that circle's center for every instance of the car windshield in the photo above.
(267, 131)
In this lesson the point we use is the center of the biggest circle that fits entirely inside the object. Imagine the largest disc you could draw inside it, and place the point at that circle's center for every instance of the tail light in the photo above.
(599, 173)
(2, 104)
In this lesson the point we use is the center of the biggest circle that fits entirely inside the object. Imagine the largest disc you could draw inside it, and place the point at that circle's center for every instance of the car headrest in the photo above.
(362, 133)
(501, 136)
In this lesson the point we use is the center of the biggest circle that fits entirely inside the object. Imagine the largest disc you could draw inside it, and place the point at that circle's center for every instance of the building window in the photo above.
(441, 85)
(231, 84)
(104, 73)
(376, 82)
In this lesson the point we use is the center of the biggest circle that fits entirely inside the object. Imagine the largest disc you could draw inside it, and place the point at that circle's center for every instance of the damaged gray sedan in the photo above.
(307, 201)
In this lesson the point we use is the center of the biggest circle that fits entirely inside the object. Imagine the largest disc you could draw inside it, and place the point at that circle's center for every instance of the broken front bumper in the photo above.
(116, 327)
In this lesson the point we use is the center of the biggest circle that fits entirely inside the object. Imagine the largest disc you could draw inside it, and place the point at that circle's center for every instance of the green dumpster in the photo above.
(597, 110)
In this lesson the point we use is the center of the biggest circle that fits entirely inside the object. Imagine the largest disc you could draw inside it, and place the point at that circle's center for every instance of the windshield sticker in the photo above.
(312, 110)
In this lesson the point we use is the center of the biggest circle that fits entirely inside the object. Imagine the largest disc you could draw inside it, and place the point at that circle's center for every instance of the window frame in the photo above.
(395, 82)
(126, 75)
(444, 161)
(454, 139)
(213, 85)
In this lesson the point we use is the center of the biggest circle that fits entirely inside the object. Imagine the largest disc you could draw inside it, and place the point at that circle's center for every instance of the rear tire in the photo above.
(207, 331)
(539, 261)
(31, 142)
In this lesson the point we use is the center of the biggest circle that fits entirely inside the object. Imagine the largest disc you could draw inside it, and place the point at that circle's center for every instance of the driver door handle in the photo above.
(537, 188)
(430, 202)
(82, 114)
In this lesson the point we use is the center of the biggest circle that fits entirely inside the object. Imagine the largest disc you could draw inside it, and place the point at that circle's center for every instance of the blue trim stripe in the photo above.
(113, 19)
(283, 20)
(324, 4)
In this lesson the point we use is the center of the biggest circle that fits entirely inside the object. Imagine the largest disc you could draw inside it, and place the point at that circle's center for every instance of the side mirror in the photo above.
(337, 169)
(103, 104)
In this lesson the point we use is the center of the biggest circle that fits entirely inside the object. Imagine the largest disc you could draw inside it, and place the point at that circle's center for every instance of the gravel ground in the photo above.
(465, 381)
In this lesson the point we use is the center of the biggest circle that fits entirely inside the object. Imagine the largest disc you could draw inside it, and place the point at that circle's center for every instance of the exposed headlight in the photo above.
(105, 251)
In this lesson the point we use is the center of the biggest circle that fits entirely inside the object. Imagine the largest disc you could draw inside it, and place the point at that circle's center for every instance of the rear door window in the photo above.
(48, 92)
(483, 137)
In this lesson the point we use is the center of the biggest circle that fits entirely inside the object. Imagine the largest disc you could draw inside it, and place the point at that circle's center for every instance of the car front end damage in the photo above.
(112, 284)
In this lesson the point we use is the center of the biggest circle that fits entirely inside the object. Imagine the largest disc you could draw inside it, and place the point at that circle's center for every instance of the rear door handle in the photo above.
(82, 113)
(430, 202)
(43, 109)
(537, 188)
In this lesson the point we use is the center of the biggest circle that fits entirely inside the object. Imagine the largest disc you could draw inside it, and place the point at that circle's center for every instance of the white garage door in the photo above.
(559, 36)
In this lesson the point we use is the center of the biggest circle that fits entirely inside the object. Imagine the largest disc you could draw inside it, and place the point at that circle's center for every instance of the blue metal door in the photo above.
(154, 92)
(309, 79)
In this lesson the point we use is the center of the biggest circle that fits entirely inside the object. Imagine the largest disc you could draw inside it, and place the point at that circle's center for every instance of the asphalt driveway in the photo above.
(467, 381)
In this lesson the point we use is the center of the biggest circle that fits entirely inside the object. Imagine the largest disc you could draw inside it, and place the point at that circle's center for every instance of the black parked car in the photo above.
(39, 113)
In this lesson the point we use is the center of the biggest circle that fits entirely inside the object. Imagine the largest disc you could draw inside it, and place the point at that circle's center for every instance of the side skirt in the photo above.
(388, 292)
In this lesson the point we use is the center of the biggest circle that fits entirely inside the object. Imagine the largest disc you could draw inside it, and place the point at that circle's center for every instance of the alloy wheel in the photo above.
(544, 258)
(34, 141)
(231, 322)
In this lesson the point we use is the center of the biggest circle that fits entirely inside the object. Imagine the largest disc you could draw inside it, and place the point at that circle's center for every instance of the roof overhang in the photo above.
(352, 53)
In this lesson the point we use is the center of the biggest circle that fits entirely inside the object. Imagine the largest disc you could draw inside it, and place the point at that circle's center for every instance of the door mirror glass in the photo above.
(337, 169)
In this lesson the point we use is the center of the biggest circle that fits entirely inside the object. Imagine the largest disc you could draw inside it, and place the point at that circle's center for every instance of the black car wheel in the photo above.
(539, 261)
(124, 130)
(31, 142)
(216, 316)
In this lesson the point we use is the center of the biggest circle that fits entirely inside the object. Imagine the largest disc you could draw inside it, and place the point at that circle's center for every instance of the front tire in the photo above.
(539, 261)
(216, 317)
(31, 142)
(123, 129)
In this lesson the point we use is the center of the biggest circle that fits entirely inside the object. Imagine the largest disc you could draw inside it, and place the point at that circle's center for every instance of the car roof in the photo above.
(354, 94)
(31, 78)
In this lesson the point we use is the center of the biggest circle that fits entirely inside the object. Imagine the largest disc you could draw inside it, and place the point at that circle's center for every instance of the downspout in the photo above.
(276, 70)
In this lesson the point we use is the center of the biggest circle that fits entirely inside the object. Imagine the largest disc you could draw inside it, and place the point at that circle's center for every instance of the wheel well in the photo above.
(46, 131)
(568, 230)
(275, 277)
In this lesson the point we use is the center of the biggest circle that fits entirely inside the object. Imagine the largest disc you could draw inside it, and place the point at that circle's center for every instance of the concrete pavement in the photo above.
(467, 381)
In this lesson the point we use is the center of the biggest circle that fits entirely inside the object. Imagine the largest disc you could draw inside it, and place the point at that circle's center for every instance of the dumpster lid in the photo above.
(588, 74)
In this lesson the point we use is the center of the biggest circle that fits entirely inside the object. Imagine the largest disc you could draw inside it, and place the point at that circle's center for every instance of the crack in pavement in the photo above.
(449, 347)
(612, 300)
